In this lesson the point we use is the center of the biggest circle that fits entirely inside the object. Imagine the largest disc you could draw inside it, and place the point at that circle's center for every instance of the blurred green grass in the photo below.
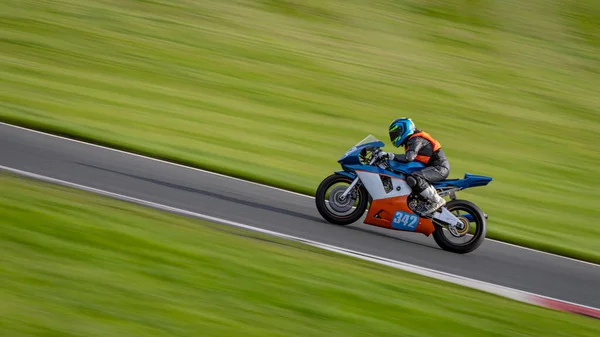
(275, 91)
(75, 264)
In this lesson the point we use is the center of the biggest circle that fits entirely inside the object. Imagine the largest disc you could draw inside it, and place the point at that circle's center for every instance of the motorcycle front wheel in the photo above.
(338, 210)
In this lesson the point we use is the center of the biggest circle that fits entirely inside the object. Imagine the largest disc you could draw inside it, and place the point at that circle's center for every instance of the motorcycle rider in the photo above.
(419, 146)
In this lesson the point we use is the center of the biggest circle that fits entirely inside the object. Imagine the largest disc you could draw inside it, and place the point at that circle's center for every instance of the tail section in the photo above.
(469, 180)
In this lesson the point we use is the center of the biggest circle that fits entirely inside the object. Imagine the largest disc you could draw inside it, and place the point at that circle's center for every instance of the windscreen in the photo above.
(368, 139)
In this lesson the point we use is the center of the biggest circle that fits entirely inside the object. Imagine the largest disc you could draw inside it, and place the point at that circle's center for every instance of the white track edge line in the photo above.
(154, 159)
(257, 184)
(514, 294)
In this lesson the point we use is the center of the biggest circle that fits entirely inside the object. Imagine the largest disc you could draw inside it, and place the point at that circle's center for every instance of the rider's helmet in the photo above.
(400, 130)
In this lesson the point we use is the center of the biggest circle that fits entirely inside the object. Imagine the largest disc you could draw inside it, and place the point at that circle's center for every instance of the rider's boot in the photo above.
(435, 200)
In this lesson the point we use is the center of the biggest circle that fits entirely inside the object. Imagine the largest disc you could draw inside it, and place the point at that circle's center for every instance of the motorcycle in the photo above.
(378, 187)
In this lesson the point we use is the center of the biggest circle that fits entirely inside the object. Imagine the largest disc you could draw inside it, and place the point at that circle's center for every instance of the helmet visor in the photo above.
(395, 133)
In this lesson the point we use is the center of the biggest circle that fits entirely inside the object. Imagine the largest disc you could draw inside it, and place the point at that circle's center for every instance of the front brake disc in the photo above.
(339, 205)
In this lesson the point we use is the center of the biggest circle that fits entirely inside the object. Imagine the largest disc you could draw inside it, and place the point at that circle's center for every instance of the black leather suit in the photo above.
(438, 167)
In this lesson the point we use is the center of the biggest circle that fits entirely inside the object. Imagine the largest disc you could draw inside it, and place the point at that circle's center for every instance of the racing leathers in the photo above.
(421, 147)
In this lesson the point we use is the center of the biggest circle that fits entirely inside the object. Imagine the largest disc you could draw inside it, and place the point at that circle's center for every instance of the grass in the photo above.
(76, 264)
(276, 90)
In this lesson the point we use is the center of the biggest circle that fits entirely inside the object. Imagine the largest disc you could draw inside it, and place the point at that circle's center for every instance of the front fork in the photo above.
(349, 189)
(356, 180)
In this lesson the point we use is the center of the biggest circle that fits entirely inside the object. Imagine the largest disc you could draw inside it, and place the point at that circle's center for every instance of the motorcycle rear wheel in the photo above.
(477, 234)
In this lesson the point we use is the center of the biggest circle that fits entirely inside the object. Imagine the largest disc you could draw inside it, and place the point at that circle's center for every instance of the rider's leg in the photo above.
(420, 182)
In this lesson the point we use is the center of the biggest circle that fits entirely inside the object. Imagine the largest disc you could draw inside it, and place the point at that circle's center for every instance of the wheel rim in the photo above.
(463, 228)
(467, 231)
(338, 207)
(338, 202)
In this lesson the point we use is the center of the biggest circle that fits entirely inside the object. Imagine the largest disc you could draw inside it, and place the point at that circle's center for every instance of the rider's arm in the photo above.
(414, 146)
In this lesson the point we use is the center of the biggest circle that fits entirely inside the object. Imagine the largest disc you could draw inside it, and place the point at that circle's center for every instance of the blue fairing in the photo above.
(469, 180)
(346, 174)
(372, 169)
(351, 157)
(351, 163)
(406, 168)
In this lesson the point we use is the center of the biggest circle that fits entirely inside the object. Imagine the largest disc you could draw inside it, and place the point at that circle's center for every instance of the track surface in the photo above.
(290, 214)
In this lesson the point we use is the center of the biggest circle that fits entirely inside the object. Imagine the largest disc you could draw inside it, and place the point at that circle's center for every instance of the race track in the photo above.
(289, 213)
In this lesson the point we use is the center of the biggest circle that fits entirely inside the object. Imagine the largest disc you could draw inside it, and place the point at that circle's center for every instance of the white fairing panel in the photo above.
(373, 184)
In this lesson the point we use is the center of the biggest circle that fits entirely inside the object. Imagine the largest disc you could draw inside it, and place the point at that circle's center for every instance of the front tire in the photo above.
(359, 196)
(478, 235)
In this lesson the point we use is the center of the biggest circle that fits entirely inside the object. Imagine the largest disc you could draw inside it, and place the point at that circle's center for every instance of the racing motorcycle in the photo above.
(378, 187)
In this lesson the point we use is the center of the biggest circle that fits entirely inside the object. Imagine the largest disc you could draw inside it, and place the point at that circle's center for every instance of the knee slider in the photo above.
(416, 183)
(412, 181)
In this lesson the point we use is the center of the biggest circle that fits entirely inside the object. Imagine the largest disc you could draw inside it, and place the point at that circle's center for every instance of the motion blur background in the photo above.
(277, 90)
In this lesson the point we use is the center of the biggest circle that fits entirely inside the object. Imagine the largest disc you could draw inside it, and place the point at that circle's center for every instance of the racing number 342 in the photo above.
(405, 221)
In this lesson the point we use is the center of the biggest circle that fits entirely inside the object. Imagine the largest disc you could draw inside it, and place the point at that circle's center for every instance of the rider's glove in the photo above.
(385, 155)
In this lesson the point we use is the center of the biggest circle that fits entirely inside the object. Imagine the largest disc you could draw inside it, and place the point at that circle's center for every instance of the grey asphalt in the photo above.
(290, 214)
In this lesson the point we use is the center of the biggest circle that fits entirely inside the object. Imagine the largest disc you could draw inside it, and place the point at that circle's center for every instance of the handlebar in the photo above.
(374, 158)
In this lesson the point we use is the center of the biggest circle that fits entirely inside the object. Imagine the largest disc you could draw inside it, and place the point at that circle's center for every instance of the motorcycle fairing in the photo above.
(389, 209)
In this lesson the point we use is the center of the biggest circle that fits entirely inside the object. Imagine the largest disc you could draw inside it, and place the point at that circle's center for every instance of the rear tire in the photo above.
(329, 215)
(478, 237)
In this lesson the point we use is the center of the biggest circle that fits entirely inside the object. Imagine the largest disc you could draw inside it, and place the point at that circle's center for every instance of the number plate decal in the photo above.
(405, 221)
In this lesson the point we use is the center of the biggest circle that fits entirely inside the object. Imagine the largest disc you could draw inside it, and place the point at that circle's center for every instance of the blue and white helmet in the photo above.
(400, 130)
